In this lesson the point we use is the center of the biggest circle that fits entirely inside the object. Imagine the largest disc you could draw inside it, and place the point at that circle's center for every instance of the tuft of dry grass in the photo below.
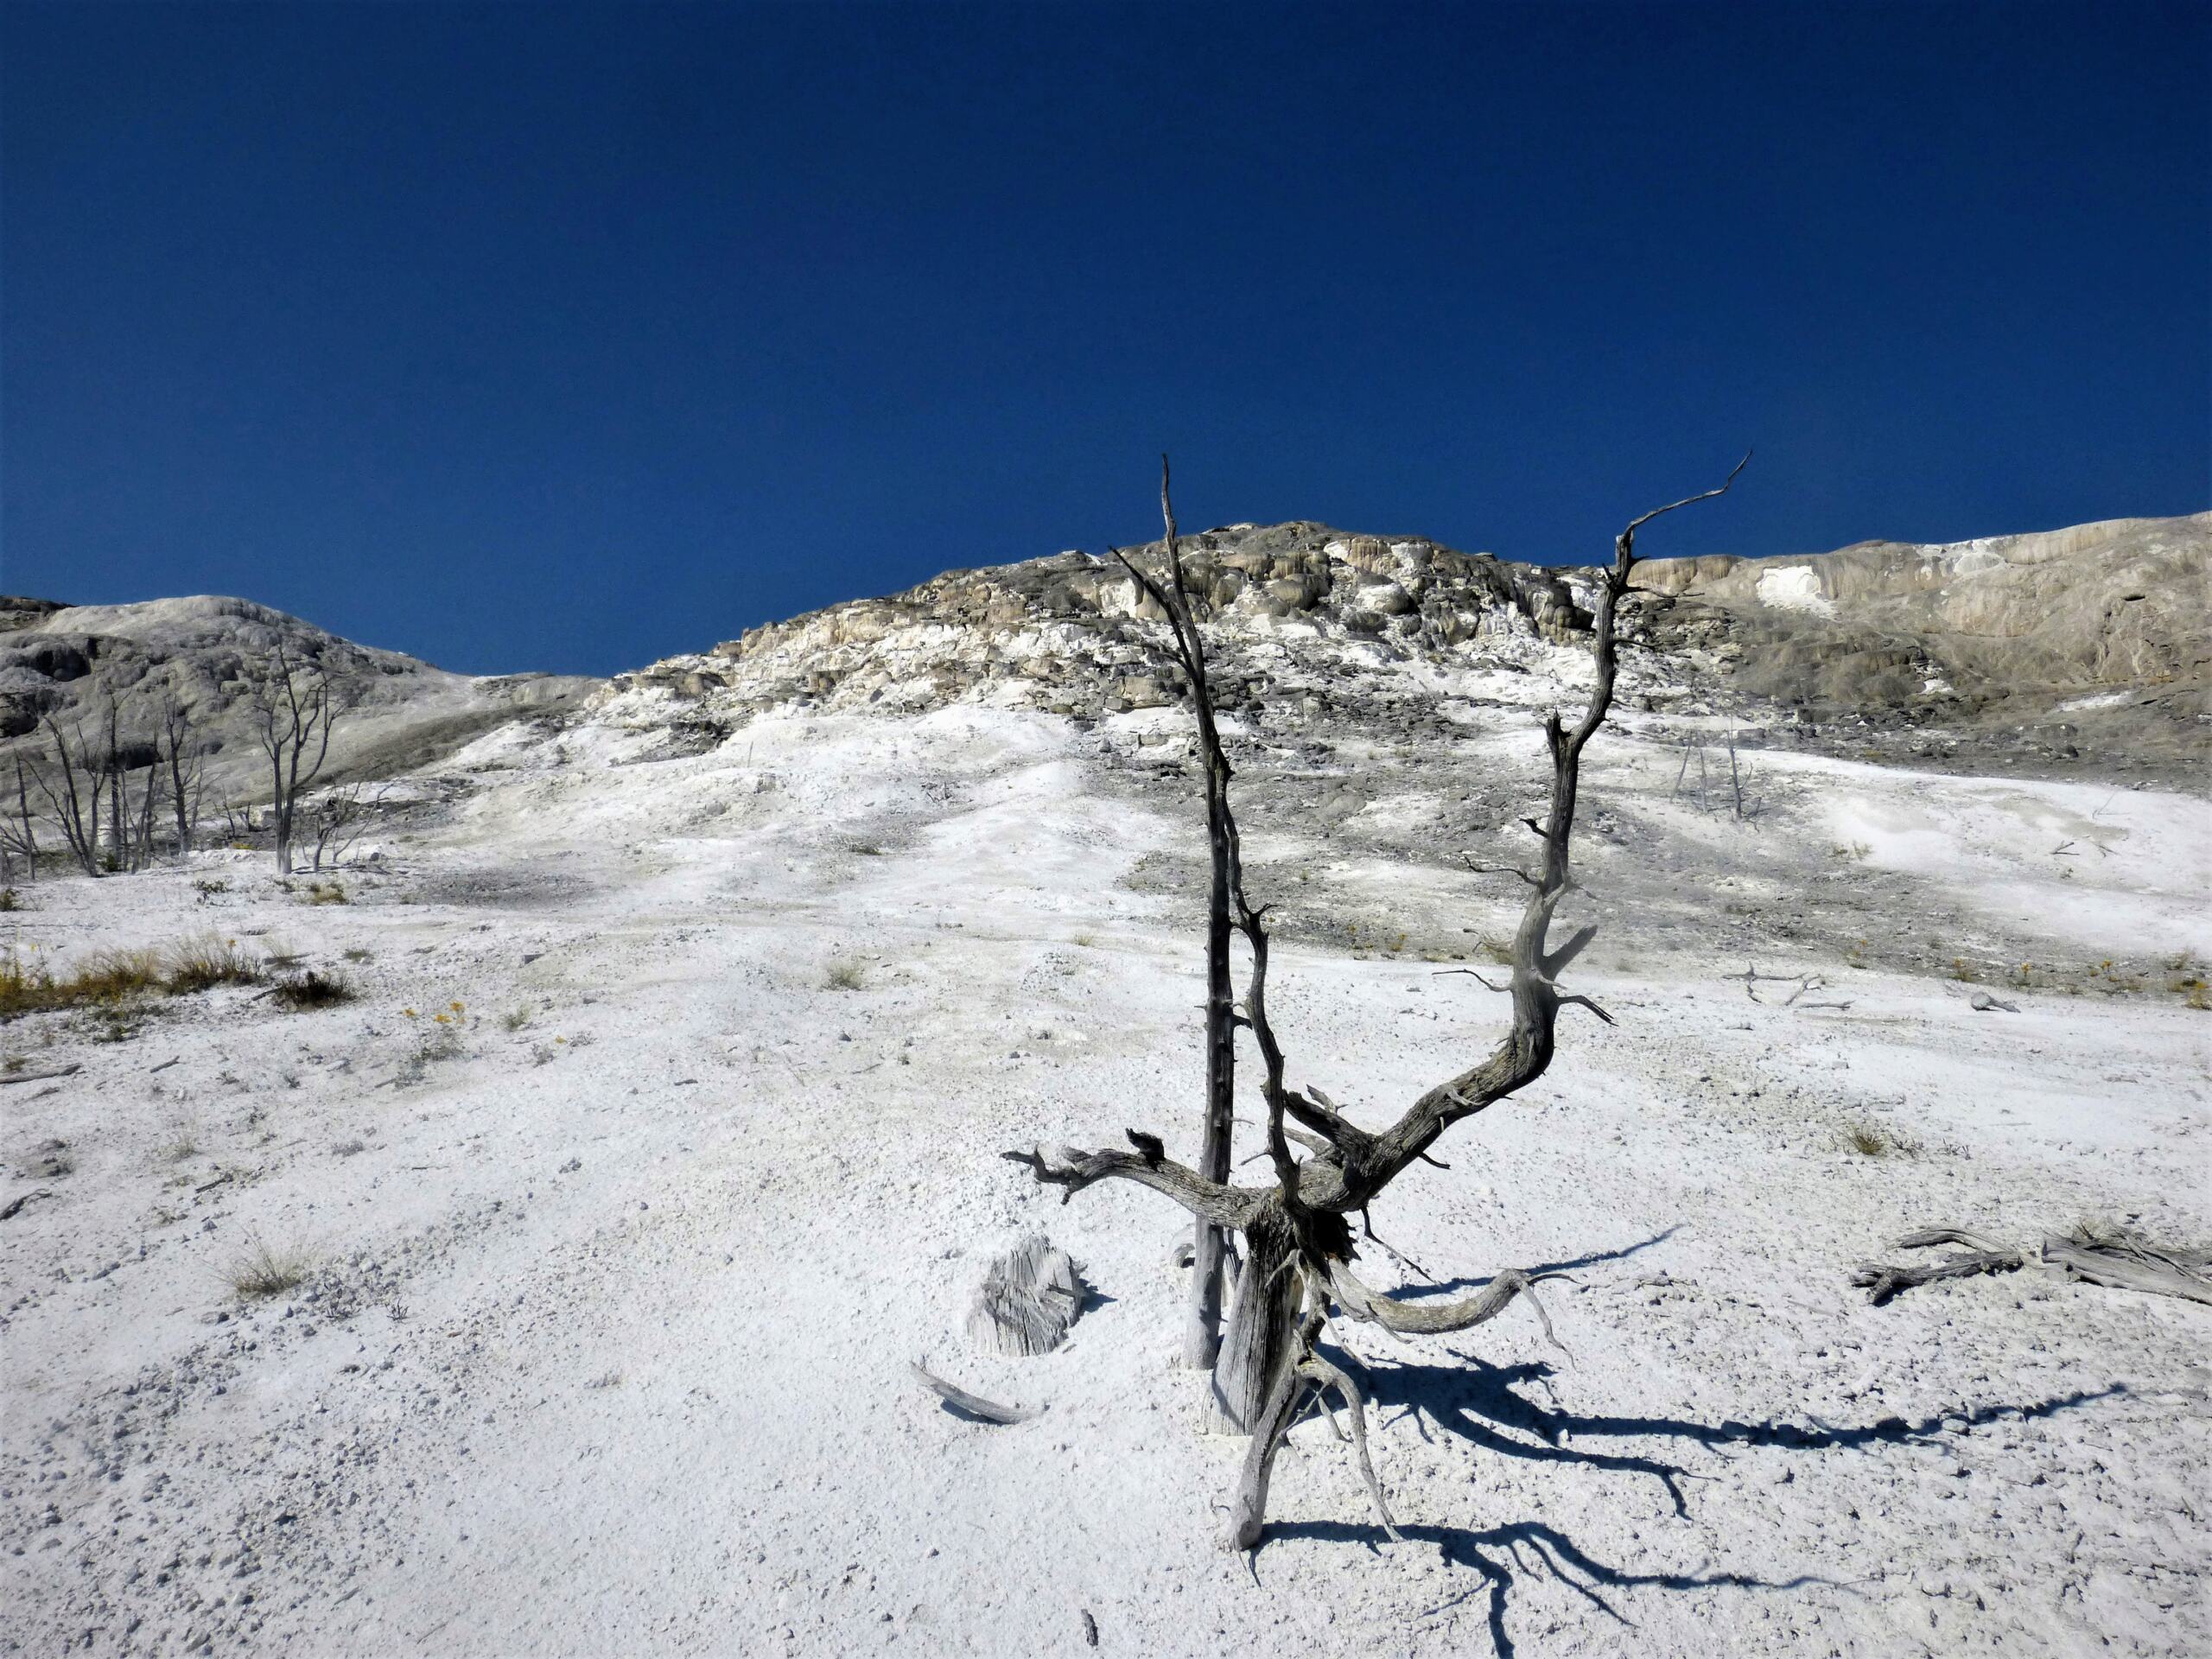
(1865, 1138)
(204, 960)
(313, 988)
(332, 892)
(264, 1269)
(109, 979)
(843, 976)
(104, 979)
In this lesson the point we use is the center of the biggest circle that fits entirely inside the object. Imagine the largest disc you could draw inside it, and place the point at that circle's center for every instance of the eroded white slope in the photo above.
(605, 1346)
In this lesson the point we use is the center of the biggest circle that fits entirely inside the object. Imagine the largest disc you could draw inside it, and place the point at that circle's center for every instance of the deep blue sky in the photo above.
(521, 336)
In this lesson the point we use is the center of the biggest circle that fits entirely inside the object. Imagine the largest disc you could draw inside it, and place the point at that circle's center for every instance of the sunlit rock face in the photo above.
(207, 657)
(1306, 621)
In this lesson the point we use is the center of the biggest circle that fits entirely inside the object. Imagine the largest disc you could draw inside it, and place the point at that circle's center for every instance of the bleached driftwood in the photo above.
(972, 1405)
(2118, 1261)
(1028, 1300)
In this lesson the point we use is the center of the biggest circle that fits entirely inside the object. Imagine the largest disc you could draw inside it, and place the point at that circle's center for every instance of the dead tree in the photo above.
(18, 831)
(74, 790)
(1209, 1244)
(1299, 1243)
(184, 774)
(295, 709)
(339, 818)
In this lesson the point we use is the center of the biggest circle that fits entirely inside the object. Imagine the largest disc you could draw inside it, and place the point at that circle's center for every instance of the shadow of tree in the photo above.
(1478, 1402)
(1522, 1544)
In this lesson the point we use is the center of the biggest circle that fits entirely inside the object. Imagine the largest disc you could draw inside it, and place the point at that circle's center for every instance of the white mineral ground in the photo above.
(604, 1341)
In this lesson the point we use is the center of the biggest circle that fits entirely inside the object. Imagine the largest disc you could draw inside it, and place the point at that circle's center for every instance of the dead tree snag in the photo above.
(1299, 1243)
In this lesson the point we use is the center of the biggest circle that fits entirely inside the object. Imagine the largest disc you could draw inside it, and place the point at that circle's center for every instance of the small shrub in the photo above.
(208, 887)
(329, 892)
(842, 976)
(265, 1270)
(313, 988)
(179, 1148)
(515, 1019)
(1866, 1138)
(10, 900)
(357, 954)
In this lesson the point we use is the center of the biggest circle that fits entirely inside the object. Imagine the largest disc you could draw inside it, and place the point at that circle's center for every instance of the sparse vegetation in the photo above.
(204, 960)
(845, 976)
(329, 892)
(10, 899)
(264, 1269)
(1865, 1137)
(312, 987)
(356, 954)
(209, 888)
(438, 1037)
(109, 979)
(515, 1019)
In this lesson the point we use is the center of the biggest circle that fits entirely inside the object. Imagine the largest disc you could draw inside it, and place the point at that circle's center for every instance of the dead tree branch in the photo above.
(1298, 1243)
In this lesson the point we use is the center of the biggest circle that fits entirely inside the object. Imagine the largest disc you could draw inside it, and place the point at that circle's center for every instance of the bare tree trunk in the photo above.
(1299, 1245)
(295, 712)
(1209, 1251)
(23, 813)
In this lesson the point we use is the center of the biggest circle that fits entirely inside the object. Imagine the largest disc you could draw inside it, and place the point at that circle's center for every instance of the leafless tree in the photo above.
(18, 831)
(295, 709)
(183, 770)
(1299, 1245)
(73, 788)
(1209, 1244)
(339, 817)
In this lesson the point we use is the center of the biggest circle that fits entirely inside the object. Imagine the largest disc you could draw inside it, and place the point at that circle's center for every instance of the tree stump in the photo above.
(1029, 1299)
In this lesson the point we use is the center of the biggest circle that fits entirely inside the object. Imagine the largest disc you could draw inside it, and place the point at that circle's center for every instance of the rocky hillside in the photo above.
(208, 655)
(2087, 646)
(2091, 643)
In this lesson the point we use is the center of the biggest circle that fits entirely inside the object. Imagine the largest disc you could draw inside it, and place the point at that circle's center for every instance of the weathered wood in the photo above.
(972, 1405)
(1028, 1300)
(1299, 1244)
(1256, 1346)
(14, 1207)
(37, 1076)
(2115, 1261)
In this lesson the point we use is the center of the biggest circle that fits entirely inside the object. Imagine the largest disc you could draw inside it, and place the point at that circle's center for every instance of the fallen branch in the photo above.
(36, 1077)
(972, 1405)
(15, 1205)
(2118, 1262)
